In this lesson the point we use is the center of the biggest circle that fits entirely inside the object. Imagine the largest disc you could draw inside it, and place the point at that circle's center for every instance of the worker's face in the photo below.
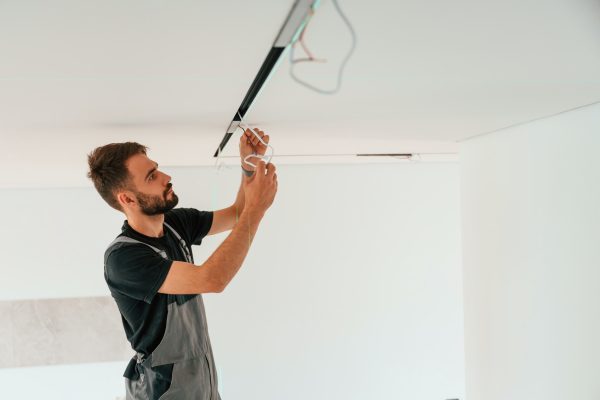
(151, 187)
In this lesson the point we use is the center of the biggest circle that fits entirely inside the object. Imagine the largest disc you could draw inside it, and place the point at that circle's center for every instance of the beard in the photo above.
(155, 205)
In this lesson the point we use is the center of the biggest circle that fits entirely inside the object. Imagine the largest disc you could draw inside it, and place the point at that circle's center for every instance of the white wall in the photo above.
(531, 227)
(90, 381)
(352, 288)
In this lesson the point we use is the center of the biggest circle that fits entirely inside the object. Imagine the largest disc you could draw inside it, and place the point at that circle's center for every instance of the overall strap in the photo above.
(184, 247)
(126, 239)
(188, 255)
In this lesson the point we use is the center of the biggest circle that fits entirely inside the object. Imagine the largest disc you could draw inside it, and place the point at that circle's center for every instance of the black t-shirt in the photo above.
(135, 272)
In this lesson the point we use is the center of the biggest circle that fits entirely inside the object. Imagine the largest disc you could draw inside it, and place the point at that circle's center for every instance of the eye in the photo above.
(151, 176)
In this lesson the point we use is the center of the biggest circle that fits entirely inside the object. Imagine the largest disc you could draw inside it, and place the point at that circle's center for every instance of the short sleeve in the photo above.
(196, 223)
(136, 271)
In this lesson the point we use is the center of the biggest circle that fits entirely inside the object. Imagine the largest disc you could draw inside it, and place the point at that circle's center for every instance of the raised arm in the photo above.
(220, 268)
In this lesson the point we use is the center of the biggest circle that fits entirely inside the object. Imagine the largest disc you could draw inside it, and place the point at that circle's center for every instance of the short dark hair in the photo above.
(108, 170)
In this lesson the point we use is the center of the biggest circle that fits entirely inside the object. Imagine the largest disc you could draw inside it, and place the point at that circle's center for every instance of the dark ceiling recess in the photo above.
(408, 155)
(292, 27)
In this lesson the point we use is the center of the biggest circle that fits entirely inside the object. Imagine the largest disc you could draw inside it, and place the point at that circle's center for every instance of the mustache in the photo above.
(169, 186)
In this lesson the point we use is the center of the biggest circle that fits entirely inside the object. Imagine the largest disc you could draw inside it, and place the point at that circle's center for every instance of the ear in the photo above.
(126, 199)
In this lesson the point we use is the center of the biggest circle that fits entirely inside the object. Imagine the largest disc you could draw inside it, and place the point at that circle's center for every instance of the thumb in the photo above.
(260, 168)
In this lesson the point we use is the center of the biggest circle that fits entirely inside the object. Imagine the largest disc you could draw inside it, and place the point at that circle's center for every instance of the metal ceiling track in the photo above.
(291, 29)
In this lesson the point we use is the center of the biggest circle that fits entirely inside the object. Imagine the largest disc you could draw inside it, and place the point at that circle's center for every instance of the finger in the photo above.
(260, 168)
(257, 139)
(245, 138)
(262, 145)
(270, 168)
(251, 137)
(265, 140)
(258, 133)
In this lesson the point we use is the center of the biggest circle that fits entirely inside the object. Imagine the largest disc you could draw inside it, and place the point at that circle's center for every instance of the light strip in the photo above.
(293, 25)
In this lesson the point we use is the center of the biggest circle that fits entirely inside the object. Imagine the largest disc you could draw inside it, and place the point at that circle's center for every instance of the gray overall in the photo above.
(185, 344)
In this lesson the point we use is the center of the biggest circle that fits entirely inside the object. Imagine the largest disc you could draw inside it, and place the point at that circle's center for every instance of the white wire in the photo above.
(265, 158)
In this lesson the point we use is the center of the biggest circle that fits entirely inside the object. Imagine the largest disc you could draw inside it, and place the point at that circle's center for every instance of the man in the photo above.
(150, 270)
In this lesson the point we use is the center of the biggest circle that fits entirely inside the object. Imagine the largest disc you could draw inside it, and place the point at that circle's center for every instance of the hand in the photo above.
(249, 144)
(260, 190)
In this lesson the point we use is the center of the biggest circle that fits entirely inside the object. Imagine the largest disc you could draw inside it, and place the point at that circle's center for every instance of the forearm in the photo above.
(239, 200)
(227, 259)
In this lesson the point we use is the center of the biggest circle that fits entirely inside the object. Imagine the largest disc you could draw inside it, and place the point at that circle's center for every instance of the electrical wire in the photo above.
(265, 158)
(300, 40)
(310, 58)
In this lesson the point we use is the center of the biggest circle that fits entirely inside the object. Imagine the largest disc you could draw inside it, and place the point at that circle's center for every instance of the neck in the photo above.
(149, 225)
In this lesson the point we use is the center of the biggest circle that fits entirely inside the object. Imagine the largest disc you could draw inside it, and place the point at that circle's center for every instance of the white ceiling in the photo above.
(171, 74)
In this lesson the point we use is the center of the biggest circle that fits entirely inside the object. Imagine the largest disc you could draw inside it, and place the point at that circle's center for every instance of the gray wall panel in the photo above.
(61, 331)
